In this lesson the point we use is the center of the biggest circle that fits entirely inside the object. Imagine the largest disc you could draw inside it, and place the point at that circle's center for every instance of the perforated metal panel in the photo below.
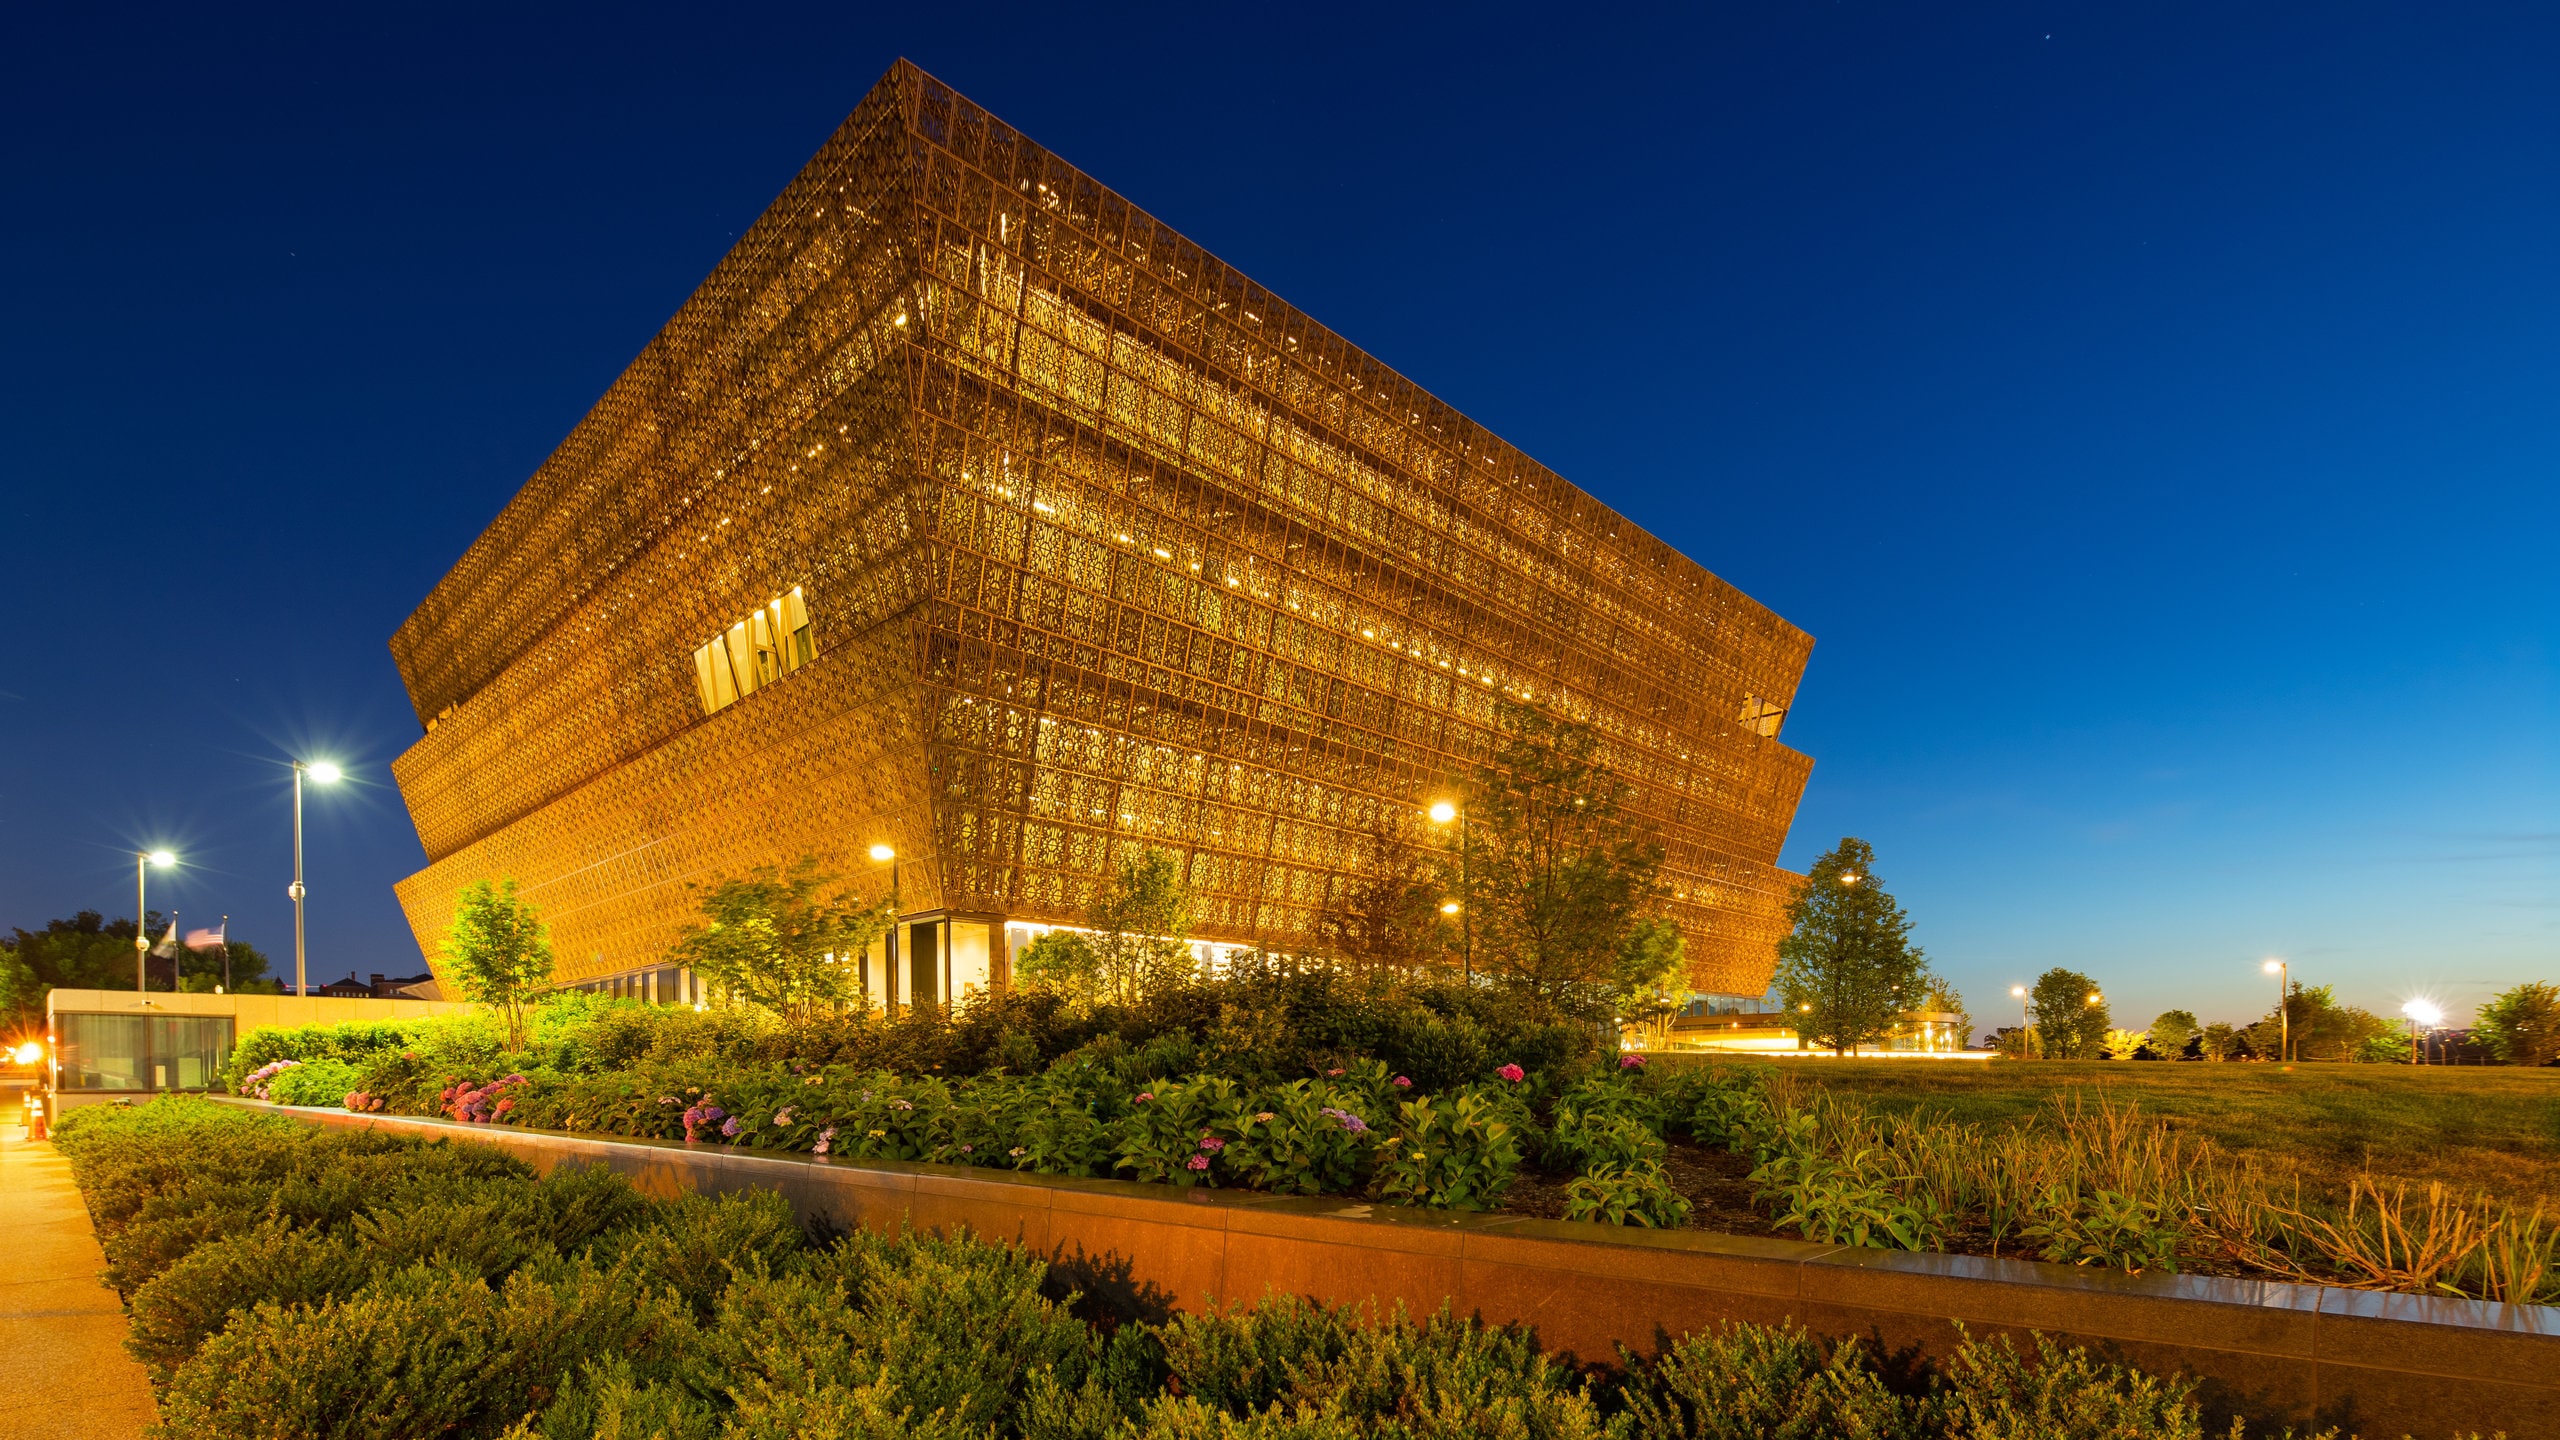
(1101, 545)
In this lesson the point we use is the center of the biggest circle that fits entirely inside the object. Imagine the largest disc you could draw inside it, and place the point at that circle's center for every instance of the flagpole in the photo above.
(141, 927)
(225, 942)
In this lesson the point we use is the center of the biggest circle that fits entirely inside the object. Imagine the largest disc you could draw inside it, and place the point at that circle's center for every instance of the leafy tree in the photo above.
(2170, 1032)
(1563, 890)
(2220, 1041)
(2123, 1044)
(1943, 998)
(498, 950)
(90, 952)
(2071, 1014)
(774, 941)
(1653, 978)
(1135, 944)
(1848, 969)
(2521, 1026)
(1387, 917)
(2321, 1028)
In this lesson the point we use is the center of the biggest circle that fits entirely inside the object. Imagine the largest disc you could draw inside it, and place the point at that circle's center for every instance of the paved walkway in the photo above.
(64, 1373)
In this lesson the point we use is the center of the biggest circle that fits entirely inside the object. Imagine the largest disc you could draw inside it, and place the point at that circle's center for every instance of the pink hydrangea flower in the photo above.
(1630, 1062)
(1198, 1162)
(1512, 1073)
(1401, 1083)
(1144, 1097)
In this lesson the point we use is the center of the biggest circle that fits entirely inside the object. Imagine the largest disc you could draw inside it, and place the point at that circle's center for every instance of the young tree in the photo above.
(1386, 917)
(2123, 1044)
(1848, 970)
(1135, 943)
(2220, 1041)
(1562, 889)
(2322, 1029)
(1938, 996)
(773, 940)
(498, 950)
(2171, 1031)
(2071, 1014)
(2522, 1026)
(1653, 978)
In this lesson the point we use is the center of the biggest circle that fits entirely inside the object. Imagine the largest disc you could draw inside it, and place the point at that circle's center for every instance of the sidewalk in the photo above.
(64, 1373)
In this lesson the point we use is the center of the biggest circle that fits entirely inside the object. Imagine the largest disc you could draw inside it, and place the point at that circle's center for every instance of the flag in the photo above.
(208, 939)
(168, 945)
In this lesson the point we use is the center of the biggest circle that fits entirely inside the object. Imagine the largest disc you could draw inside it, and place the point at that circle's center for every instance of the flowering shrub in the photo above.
(362, 1103)
(1512, 1073)
(1308, 1139)
(254, 1084)
(1175, 1137)
(482, 1104)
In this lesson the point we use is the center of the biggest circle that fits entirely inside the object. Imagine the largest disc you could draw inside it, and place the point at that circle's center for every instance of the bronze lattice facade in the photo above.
(968, 509)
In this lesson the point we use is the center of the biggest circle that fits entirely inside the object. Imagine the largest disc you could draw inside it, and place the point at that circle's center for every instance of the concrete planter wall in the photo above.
(2382, 1365)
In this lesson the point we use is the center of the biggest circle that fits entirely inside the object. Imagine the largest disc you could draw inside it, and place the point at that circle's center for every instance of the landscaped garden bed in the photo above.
(290, 1281)
(1302, 1084)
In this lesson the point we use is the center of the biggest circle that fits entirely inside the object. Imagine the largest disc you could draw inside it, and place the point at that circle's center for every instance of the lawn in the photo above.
(2484, 1128)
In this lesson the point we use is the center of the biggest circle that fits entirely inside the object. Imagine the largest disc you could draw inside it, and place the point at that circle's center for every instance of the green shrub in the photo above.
(174, 1311)
(1988, 1391)
(1452, 1152)
(1636, 1193)
(1751, 1382)
(314, 1082)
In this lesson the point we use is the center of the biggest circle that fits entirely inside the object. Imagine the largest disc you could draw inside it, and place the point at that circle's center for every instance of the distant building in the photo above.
(968, 510)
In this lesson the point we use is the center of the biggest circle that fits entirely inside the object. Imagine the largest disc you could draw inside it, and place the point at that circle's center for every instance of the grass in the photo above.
(2476, 1128)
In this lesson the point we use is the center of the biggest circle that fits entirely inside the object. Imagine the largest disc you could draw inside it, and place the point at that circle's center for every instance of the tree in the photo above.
(2071, 1014)
(498, 950)
(2521, 1026)
(2170, 1032)
(1653, 978)
(2220, 1041)
(2322, 1029)
(1939, 997)
(2123, 1044)
(1136, 943)
(775, 941)
(86, 952)
(1848, 969)
(1562, 889)
(1387, 917)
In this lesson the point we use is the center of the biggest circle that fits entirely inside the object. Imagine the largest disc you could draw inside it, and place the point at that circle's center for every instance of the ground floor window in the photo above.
(141, 1052)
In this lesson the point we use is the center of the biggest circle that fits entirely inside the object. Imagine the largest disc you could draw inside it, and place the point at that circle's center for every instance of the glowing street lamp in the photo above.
(1445, 812)
(2423, 1016)
(322, 772)
(2284, 1013)
(2026, 1022)
(141, 925)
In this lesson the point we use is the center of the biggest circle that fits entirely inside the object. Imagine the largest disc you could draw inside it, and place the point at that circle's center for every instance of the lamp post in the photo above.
(2423, 1017)
(1444, 812)
(322, 772)
(141, 917)
(2026, 1022)
(2284, 1012)
(885, 855)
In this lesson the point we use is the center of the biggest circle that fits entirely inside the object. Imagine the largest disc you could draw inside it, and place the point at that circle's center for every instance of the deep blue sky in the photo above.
(2153, 411)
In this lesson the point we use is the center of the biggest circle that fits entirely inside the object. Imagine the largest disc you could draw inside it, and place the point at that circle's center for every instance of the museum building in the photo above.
(967, 510)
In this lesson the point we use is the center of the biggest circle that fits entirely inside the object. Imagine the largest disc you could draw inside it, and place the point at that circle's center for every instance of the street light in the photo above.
(2284, 1012)
(2423, 1017)
(141, 922)
(322, 772)
(2026, 1022)
(883, 853)
(1443, 812)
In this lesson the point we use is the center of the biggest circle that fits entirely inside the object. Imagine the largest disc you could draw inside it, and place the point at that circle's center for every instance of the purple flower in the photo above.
(1347, 1120)
(1197, 1162)
(1401, 1083)
(1630, 1062)
(782, 1116)
(1512, 1073)
(826, 1138)
(729, 1127)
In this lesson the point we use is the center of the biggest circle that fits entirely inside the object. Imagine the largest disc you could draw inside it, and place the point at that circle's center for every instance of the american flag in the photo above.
(208, 939)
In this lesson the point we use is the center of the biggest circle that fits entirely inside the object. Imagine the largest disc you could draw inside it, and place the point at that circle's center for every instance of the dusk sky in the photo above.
(2152, 411)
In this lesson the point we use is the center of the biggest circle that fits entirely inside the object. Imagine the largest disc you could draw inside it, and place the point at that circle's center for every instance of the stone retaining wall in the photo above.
(2303, 1355)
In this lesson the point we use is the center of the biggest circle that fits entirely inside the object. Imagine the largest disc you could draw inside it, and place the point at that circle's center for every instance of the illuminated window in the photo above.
(765, 646)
